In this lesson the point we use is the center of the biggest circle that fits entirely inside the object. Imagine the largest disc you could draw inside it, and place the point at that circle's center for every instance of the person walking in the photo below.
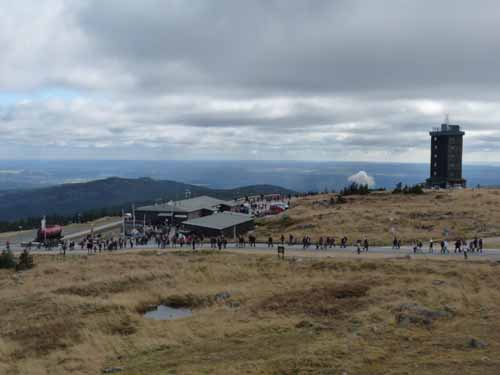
(270, 242)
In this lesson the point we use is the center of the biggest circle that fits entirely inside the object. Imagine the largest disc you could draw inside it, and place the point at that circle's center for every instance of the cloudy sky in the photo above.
(262, 79)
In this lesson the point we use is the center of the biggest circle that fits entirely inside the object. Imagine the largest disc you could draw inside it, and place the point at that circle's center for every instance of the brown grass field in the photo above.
(380, 216)
(80, 314)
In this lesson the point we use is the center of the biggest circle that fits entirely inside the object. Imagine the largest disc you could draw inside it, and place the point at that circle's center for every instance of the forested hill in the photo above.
(71, 199)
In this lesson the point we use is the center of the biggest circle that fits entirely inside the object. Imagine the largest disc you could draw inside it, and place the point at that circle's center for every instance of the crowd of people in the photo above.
(172, 237)
(323, 243)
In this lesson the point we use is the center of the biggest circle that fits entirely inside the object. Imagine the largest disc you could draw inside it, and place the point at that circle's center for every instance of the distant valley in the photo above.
(294, 175)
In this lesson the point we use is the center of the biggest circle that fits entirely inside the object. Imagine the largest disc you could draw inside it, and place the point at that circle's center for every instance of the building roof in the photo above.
(447, 129)
(220, 220)
(188, 205)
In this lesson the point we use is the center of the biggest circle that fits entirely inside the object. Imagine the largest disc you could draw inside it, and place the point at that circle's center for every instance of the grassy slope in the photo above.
(464, 212)
(79, 314)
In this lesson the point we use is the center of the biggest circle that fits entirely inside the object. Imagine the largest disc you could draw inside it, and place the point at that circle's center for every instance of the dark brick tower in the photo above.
(446, 157)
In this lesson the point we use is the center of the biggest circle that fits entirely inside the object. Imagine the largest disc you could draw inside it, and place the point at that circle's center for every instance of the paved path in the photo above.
(96, 229)
(298, 251)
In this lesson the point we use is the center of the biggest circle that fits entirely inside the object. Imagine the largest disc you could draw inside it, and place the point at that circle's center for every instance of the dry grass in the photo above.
(309, 316)
(378, 216)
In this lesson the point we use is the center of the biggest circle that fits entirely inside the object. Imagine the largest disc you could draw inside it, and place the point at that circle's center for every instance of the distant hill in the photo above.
(70, 199)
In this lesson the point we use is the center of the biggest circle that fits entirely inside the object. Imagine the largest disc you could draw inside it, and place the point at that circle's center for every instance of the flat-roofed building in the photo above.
(187, 209)
(230, 224)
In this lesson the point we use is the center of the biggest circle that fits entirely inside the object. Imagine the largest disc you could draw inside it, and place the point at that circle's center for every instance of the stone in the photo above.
(412, 313)
(438, 282)
(477, 344)
(112, 370)
(222, 296)
(305, 226)
(305, 324)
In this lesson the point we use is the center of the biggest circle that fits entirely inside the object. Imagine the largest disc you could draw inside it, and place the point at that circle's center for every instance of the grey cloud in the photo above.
(324, 79)
(302, 47)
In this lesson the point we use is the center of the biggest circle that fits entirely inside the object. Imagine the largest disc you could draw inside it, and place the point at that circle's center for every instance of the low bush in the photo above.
(355, 189)
(25, 261)
(415, 189)
(7, 260)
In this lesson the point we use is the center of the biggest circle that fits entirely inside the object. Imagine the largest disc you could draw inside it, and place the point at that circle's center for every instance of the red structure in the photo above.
(50, 233)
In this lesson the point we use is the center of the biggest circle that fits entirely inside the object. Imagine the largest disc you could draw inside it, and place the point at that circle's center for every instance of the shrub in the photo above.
(398, 189)
(355, 189)
(341, 199)
(7, 259)
(415, 189)
(25, 261)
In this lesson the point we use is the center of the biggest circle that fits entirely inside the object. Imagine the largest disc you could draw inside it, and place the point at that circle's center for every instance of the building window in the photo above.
(435, 164)
(435, 173)
(436, 147)
(435, 156)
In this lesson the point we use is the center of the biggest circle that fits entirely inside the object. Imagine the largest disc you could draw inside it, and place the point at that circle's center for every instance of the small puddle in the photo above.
(164, 312)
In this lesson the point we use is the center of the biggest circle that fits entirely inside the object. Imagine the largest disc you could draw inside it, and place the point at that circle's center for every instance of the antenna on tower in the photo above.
(447, 119)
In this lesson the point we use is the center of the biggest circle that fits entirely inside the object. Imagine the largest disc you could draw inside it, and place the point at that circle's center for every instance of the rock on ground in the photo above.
(112, 370)
(412, 313)
(477, 344)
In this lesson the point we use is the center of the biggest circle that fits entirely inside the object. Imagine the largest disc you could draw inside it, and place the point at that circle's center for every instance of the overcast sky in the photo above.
(262, 79)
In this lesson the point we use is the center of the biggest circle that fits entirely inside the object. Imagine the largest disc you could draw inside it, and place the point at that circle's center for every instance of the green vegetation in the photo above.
(415, 189)
(25, 261)
(7, 260)
(74, 203)
(355, 189)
